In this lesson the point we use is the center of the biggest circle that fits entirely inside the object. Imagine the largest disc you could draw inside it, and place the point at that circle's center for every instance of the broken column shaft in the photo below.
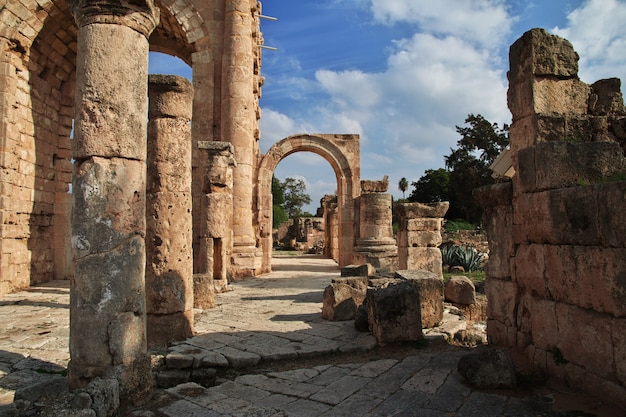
(107, 307)
(169, 267)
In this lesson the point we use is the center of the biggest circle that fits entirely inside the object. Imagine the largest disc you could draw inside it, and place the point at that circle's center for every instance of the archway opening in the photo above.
(302, 182)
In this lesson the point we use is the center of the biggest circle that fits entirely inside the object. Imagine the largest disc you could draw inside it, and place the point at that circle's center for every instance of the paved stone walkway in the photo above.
(268, 323)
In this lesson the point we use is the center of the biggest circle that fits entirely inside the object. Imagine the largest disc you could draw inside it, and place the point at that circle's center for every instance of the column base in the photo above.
(379, 256)
(245, 262)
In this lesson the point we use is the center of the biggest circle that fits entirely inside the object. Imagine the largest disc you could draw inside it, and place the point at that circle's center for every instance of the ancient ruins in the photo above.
(151, 216)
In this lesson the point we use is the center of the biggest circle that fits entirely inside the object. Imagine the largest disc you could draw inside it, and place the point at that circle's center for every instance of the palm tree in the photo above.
(403, 185)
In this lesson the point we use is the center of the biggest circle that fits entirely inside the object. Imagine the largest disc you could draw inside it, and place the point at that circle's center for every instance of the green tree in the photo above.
(288, 198)
(432, 187)
(467, 168)
(295, 197)
(403, 185)
(279, 215)
(468, 164)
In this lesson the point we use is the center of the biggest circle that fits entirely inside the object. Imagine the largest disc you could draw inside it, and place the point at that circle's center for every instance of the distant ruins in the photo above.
(139, 211)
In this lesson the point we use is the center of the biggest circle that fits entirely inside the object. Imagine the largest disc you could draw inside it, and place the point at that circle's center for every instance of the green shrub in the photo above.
(465, 256)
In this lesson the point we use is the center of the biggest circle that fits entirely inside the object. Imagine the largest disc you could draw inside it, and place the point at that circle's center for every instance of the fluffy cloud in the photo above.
(484, 22)
(598, 33)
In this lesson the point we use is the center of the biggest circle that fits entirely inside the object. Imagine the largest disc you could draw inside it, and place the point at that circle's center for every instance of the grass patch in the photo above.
(455, 225)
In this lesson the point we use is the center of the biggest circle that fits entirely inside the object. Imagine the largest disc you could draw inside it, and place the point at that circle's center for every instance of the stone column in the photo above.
(107, 308)
(169, 267)
(214, 235)
(375, 244)
(238, 127)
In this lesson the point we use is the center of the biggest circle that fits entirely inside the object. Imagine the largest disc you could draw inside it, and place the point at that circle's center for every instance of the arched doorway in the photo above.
(343, 154)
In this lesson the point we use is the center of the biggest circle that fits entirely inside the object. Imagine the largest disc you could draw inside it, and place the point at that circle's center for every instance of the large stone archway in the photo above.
(343, 154)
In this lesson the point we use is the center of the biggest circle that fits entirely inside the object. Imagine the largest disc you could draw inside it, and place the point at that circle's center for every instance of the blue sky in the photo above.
(404, 73)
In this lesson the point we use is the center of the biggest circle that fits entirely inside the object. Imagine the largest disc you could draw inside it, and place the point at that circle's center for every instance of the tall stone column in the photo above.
(169, 267)
(238, 127)
(107, 297)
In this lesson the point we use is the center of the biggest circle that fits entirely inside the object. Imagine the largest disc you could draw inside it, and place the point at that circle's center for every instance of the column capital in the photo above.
(140, 15)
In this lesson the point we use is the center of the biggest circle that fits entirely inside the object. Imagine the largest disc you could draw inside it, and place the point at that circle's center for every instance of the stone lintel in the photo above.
(415, 210)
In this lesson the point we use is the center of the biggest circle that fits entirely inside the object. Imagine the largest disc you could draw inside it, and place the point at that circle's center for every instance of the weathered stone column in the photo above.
(375, 244)
(214, 235)
(107, 307)
(238, 127)
(169, 267)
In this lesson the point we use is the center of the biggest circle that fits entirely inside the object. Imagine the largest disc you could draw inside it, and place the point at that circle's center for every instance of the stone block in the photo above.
(394, 313)
(424, 239)
(606, 97)
(530, 269)
(585, 339)
(420, 210)
(561, 96)
(498, 222)
(424, 225)
(572, 277)
(544, 327)
(342, 298)
(610, 206)
(364, 270)
(430, 289)
(503, 298)
(460, 290)
(553, 165)
(428, 259)
(530, 221)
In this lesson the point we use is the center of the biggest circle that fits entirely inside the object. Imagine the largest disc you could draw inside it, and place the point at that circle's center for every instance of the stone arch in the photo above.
(343, 154)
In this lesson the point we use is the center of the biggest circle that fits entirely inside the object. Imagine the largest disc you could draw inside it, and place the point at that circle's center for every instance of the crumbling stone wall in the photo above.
(556, 277)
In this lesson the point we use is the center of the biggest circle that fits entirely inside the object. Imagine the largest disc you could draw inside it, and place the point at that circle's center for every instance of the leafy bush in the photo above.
(465, 256)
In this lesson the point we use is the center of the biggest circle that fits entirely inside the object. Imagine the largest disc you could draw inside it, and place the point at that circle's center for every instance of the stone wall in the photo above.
(556, 277)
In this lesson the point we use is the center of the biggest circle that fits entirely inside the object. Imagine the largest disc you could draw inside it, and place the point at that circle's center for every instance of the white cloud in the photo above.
(598, 33)
(484, 22)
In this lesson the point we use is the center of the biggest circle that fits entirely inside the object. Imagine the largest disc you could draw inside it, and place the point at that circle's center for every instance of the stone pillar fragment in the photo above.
(375, 244)
(419, 236)
(169, 267)
(214, 237)
(107, 308)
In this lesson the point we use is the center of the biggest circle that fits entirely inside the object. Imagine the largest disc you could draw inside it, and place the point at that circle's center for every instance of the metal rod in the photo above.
(271, 48)
(262, 16)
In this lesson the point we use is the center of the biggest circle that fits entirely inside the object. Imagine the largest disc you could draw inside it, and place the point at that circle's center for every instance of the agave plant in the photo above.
(465, 256)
